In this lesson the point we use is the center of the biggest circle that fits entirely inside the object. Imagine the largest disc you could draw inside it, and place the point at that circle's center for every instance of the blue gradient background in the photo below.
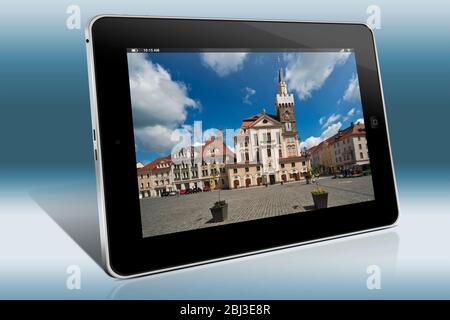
(45, 140)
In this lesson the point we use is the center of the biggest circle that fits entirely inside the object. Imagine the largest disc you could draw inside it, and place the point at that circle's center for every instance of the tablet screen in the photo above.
(227, 136)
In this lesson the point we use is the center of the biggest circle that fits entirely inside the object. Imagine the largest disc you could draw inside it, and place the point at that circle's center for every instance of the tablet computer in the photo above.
(215, 139)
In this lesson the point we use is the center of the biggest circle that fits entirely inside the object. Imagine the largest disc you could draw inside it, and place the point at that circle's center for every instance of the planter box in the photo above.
(219, 214)
(320, 200)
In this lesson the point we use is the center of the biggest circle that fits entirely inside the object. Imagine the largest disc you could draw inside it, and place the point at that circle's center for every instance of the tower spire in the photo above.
(280, 75)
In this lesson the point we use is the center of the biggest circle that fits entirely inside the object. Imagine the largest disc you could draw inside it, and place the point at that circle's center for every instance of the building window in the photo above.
(359, 138)
(303, 163)
(293, 164)
(282, 165)
(288, 126)
(269, 137)
(269, 152)
(278, 138)
(360, 146)
(255, 137)
(246, 156)
(234, 170)
(258, 168)
(280, 154)
(142, 186)
(361, 155)
(247, 169)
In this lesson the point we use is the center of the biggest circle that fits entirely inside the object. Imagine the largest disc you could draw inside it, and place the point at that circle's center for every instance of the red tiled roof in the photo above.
(357, 129)
(248, 121)
(218, 142)
(315, 148)
(152, 165)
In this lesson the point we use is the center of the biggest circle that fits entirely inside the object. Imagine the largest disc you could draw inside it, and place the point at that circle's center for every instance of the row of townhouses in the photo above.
(347, 149)
(266, 151)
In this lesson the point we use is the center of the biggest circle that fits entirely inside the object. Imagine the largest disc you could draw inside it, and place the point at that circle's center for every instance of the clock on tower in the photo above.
(284, 104)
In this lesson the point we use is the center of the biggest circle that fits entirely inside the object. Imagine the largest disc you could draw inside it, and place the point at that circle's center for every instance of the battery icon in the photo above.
(134, 50)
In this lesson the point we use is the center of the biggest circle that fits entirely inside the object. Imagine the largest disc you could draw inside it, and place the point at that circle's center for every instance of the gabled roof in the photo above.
(153, 165)
(218, 142)
(315, 148)
(247, 122)
(357, 129)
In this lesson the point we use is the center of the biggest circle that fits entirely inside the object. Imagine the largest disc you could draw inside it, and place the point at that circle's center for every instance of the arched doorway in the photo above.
(236, 184)
(284, 177)
(248, 182)
(259, 181)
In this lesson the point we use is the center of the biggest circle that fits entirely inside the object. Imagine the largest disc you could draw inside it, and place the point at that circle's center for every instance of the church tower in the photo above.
(284, 104)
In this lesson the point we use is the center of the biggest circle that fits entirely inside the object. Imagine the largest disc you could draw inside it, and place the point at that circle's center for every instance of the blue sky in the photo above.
(170, 90)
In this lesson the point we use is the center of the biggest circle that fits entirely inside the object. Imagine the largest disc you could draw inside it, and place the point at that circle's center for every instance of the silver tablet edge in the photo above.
(99, 172)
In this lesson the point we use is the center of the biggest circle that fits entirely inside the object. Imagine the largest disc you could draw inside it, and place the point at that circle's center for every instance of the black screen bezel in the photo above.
(129, 252)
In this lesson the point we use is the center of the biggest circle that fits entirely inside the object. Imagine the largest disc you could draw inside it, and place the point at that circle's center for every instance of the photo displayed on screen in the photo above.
(231, 136)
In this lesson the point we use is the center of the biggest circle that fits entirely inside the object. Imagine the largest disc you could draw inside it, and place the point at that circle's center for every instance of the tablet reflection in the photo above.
(74, 208)
(324, 270)
(331, 269)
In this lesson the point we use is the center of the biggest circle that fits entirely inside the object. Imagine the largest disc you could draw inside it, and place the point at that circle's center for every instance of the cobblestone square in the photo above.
(187, 212)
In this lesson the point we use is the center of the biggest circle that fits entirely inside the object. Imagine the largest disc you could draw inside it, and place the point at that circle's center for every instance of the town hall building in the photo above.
(267, 148)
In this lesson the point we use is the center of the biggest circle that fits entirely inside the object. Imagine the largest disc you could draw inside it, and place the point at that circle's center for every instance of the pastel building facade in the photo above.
(155, 177)
(267, 146)
(347, 149)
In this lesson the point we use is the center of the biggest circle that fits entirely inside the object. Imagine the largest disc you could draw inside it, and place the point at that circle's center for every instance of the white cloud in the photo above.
(310, 142)
(322, 121)
(351, 112)
(159, 103)
(308, 71)
(331, 130)
(223, 63)
(352, 92)
(155, 138)
(327, 133)
(361, 120)
(331, 119)
(248, 93)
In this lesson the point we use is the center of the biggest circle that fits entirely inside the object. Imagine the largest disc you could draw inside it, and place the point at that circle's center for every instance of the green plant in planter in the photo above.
(319, 190)
(219, 210)
(219, 204)
(320, 197)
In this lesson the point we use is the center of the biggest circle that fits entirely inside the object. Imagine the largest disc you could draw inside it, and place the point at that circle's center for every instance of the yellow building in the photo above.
(215, 156)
